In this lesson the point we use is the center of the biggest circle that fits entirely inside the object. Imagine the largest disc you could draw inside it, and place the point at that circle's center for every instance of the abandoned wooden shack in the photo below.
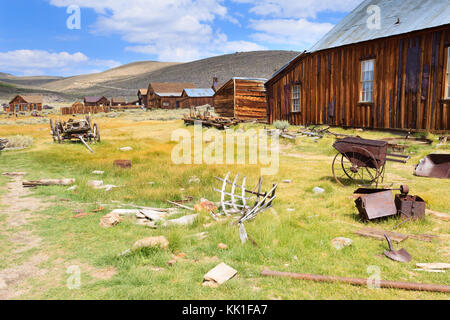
(166, 95)
(80, 108)
(392, 75)
(118, 101)
(242, 98)
(22, 103)
(196, 97)
(96, 101)
(142, 97)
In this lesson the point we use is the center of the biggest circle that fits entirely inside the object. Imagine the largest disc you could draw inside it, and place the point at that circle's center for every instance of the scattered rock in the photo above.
(151, 242)
(14, 174)
(290, 209)
(201, 235)
(205, 206)
(72, 188)
(318, 190)
(183, 221)
(222, 246)
(126, 149)
(340, 243)
(218, 275)
(95, 183)
(287, 181)
(98, 172)
(109, 220)
(193, 180)
(146, 223)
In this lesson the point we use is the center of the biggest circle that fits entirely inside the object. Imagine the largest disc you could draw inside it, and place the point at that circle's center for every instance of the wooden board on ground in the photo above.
(439, 215)
(379, 234)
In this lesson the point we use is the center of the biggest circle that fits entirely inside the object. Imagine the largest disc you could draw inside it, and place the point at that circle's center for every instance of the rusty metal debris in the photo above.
(397, 255)
(375, 203)
(245, 202)
(434, 166)
(124, 164)
(360, 282)
(81, 130)
(379, 203)
(362, 161)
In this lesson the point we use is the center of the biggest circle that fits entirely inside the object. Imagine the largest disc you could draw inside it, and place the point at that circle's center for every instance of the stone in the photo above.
(110, 220)
(183, 221)
(151, 242)
(98, 172)
(318, 190)
(219, 275)
(205, 206)
(194, 179)
(340, 243)
(126, 149)
(222, 246)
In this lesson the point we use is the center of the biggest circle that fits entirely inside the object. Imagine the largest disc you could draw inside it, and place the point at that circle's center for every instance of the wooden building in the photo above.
(196, 97)
(166, 95)
(118, 101)
(80, 108)
(396, 76)
(142, 97)
(22, 103)
(242, 98)
(96, 102)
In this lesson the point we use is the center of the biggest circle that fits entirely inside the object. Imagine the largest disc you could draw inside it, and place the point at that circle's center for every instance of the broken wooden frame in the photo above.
(243, 201)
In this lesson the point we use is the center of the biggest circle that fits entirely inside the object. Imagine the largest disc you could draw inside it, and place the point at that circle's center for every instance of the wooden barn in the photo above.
(242, 98)
(391, 75)
(22, 103)
(142, 97)
(118, 101)
(166, 95)
(196, 97)
(96, 102)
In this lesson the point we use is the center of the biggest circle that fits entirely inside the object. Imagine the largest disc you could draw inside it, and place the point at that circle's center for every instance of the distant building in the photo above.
(22, 103)
(96, 102)
(142, 97)
(390, 74)
(166, 95)
(118, 101)
(243, 98)
(196, 97)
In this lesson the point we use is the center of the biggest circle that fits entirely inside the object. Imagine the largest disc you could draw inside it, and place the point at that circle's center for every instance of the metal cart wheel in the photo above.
(358, 166)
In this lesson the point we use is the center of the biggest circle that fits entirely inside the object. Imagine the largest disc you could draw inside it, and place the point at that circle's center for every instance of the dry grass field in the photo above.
(40, 238)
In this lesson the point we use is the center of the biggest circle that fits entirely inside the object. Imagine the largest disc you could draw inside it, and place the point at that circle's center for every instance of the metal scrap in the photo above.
(434, 166)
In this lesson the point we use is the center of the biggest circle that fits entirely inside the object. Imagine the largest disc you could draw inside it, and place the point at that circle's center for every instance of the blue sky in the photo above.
(35, 39)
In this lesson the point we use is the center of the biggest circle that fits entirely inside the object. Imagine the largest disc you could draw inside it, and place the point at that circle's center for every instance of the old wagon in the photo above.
(362, 160)
(81, 130)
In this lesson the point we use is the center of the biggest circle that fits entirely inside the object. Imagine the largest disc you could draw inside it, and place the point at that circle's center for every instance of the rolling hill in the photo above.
(126, 79)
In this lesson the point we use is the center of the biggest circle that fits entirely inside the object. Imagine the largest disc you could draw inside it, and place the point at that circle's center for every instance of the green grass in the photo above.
(281, 235)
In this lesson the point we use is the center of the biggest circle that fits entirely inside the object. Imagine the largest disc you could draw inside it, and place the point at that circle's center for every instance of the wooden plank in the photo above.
(379, 234)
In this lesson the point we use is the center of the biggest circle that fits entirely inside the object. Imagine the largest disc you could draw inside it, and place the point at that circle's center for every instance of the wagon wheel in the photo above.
(96, 133)
(364, 171)
(52, 128)
(58, 136)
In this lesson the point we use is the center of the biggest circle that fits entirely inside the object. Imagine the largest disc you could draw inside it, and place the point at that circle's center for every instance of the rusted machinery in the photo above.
(434, 166)
(379, 203)
(81, 130)
(362, 161)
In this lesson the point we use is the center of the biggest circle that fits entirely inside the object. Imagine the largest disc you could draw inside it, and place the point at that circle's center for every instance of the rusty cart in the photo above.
(81, 130)
(362, 161)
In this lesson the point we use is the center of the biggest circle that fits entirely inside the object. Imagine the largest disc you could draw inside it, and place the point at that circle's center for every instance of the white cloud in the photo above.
(173, 30)
(40, 62)
(300, 34)
(298, 8)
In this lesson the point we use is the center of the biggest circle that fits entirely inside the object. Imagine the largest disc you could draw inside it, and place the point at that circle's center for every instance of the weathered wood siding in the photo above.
(250, 100)
(409, 84)
(243, 99)
(187, 102)
(224, 100)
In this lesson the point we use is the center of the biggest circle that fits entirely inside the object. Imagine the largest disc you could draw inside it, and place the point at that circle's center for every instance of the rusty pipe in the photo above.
(359, 281)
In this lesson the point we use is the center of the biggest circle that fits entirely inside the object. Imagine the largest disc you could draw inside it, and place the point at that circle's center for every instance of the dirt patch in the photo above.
(19, 211)
(104, 274)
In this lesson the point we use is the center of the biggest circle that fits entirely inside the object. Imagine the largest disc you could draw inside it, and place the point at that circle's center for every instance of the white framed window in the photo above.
(367, 78)
(447, 95)
(296, 98)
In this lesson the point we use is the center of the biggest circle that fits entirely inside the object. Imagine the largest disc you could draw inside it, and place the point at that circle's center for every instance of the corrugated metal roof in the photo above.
(195, 93)
(397, 17)
(168, 94)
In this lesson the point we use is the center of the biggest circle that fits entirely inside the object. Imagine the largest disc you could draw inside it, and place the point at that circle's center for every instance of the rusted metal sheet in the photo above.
(124, 164)
(412, 207)
(375, 203)
(434, 166)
